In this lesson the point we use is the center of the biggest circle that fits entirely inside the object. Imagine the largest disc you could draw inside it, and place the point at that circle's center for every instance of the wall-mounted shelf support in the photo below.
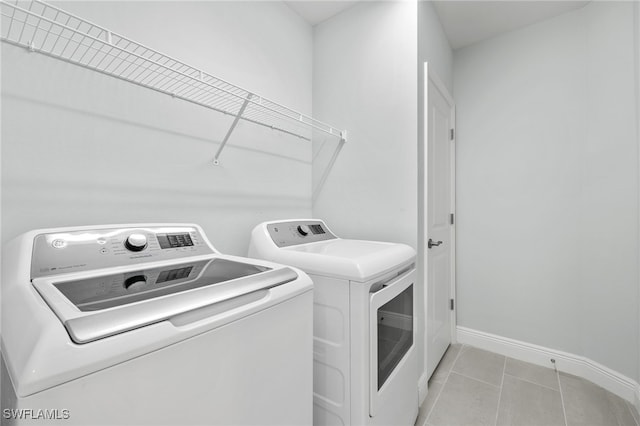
(49, 30)
(329, 166)
(233, 126)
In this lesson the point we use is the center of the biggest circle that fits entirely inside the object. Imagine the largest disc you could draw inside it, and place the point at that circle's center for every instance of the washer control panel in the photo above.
(285, 234)
(74, 251)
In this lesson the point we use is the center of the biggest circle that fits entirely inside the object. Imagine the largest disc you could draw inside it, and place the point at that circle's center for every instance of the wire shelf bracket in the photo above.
(233, 126)
(49, 30)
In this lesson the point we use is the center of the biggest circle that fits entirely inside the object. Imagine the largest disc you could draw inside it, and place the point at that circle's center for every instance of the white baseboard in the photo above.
(423, 383)
(612, 381)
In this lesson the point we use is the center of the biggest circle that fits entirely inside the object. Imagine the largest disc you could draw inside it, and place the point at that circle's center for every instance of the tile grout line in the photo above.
(533, 383)
(504, 369)
(435, 402)
(564, 410)
(476, 379)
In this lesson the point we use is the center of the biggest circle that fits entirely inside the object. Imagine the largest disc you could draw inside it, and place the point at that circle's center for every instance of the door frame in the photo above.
(423, 184)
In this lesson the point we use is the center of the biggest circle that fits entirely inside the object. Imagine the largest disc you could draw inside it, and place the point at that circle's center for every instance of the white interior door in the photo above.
(439, 238)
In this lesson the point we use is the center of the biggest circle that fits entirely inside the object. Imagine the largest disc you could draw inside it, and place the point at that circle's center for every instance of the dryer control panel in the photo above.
(285, 234)
(75, 251)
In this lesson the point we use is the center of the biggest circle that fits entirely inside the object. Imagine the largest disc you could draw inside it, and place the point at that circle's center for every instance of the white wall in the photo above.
(637, 54)
(365, 80)
(433, 47)
(547, 183)
(83, 148)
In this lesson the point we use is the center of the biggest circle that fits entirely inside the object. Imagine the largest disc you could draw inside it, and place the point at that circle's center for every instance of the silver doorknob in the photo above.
(431, 243)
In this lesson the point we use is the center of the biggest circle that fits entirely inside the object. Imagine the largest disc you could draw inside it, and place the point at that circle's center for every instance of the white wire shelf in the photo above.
(46, 29)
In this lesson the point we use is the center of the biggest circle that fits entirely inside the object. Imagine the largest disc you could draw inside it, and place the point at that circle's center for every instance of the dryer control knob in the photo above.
(303, 230)
(136, 242)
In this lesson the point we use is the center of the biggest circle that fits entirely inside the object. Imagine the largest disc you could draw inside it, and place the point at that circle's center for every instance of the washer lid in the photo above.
(104, 291)
(356, 260)
(95, 306)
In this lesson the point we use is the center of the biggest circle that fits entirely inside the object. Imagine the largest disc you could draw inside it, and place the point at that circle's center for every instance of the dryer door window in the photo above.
(394, 332)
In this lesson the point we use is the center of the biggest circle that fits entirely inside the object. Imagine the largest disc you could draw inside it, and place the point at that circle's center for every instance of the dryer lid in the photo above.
(349, 259)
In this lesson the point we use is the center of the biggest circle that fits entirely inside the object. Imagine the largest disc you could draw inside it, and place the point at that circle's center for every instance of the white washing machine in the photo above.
(365, 357)
(149, 324)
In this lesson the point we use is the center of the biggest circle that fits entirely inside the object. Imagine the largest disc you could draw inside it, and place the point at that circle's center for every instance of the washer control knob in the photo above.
(136, 242)
(303, 230)
(137, 282)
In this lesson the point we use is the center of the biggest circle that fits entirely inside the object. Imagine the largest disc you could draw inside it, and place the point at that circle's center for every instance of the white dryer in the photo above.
(365, 357)
(149, 324)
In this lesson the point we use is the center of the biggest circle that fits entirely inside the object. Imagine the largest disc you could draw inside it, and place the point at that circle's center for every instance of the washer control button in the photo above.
(303, 230)
(136, 242)
(58, 243)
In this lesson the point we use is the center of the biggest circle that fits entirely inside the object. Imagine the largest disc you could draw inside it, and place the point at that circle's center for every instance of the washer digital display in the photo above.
(174, 240)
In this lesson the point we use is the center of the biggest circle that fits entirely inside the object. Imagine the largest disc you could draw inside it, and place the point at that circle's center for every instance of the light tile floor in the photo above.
(474, 387)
